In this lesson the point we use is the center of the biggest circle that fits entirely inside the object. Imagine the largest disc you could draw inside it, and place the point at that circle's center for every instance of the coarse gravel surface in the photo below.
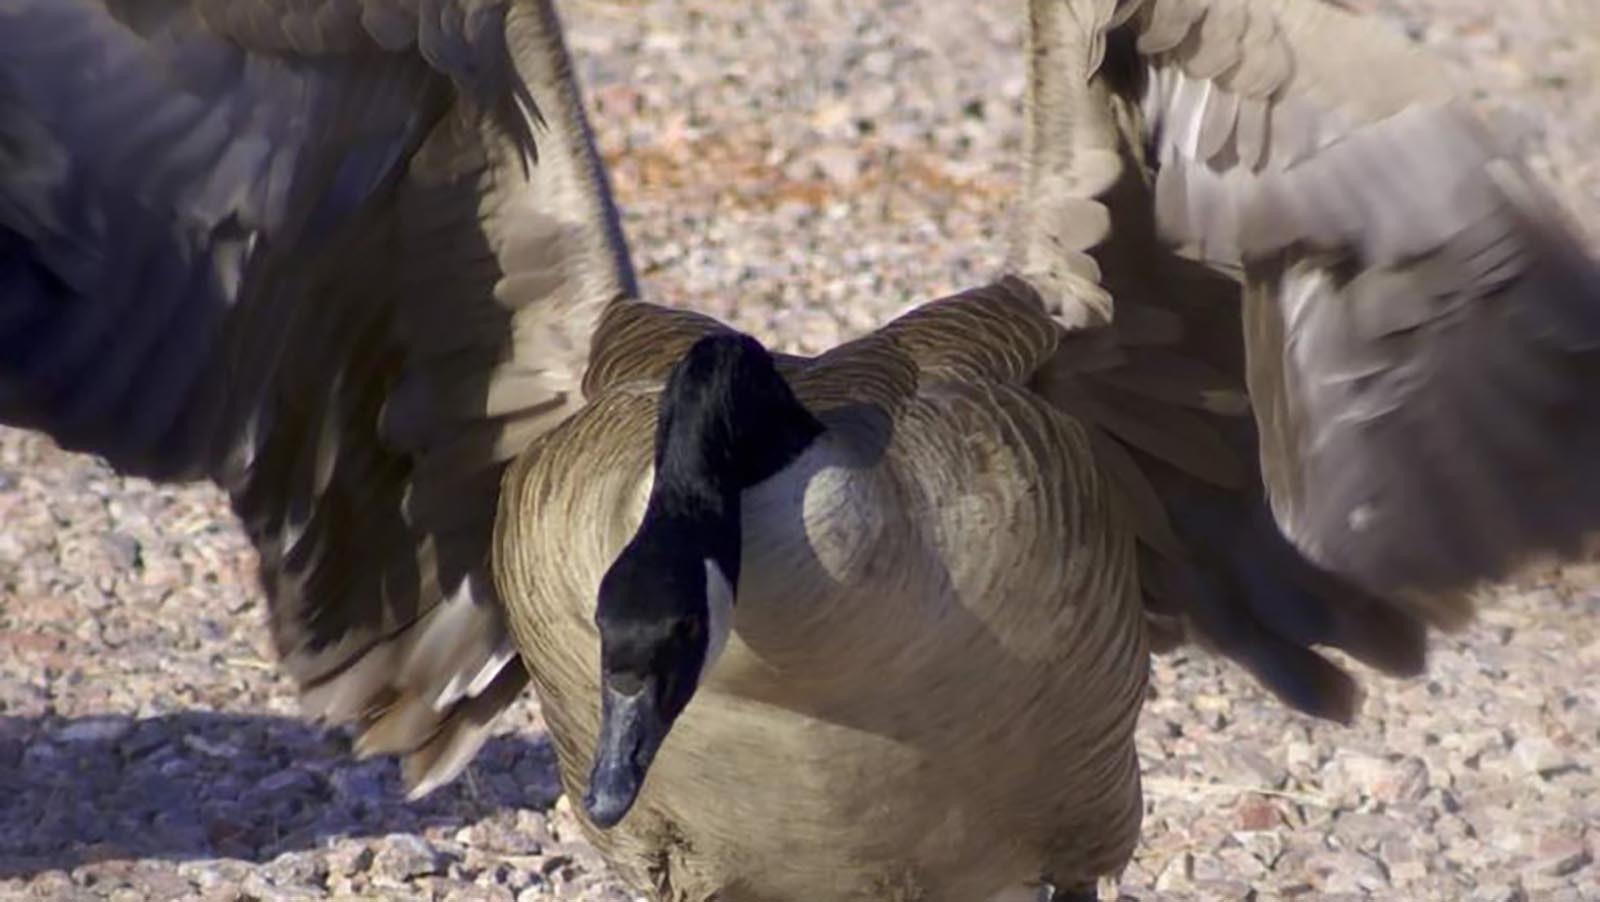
(805, 169)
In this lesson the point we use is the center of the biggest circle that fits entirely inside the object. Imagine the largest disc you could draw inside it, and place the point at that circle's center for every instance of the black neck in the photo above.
(727, 420)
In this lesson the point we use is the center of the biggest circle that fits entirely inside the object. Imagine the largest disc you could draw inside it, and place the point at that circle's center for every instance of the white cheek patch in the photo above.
(719, 605)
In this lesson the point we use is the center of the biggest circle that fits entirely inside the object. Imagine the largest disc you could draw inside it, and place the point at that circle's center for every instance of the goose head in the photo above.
(726, 421)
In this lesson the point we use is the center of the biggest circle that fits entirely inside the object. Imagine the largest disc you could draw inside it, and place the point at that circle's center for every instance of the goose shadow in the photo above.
(197, 784)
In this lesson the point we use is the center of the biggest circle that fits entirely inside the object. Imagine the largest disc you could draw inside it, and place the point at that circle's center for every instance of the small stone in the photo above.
(1255, 814)
(839, 165)
(104, 730)
(1301, 755)
(1401, 856)
(296, 869)
(286, 781)
(1222, 889)
(122, 551)
(259, 885)
(1405, 872)
(403, 857)
(1561, 854)
(1347, 872)
(526, 834)
(1241, 863)
(215, 877)
(1358, 830)
(1538, 755)
(348, 859)
(1176, 874)
(1392, 782)
(1244, 766)
(211, 748)
(1498, 892)
(479, 894)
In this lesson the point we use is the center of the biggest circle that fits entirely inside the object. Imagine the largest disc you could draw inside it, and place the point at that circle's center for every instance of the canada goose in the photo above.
(342, 257)
(935, 600)
(1216, 566)
(836, 618)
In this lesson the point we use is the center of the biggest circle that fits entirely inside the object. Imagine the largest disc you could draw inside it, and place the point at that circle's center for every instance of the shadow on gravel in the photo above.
(207, 785)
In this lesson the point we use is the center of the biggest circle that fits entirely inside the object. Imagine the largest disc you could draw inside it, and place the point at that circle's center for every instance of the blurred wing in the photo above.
(1417, 329)
(344, 257)
(1423, 330)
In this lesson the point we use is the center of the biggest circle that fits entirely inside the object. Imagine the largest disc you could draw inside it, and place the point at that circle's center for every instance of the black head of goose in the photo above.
(726, 421)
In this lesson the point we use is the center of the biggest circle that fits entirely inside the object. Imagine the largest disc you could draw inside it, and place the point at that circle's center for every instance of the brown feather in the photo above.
(417, 243)
(1419, 327)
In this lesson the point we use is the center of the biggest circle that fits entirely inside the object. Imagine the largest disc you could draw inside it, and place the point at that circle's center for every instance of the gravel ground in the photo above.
(832, 166)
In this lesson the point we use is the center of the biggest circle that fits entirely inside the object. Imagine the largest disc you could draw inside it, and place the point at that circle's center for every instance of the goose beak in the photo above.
(631, 731)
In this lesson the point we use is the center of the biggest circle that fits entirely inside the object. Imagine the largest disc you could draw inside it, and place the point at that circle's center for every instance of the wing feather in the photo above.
(1416, 325)
(342, 256)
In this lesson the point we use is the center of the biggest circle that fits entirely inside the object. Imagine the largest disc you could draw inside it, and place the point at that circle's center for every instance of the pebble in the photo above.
(99, 730)
(1561, 854)
(1540, 756)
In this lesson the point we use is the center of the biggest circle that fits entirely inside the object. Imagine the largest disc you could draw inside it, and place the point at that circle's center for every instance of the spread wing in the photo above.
(341, 256)
(1418, 330)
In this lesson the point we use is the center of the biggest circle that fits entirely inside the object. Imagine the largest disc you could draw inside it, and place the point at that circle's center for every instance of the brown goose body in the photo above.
(938, 605)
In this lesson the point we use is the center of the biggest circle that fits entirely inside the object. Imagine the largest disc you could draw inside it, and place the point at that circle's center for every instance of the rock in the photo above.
(838, 164)
(402, 856)
(122, 551)
(1539, 756)
(1561, 854)
(1243, 766)
(102, 730)
(535, 893)
(260, 885)
(211, 748)
(286, 781)
(1347, 872)
(297, 869)
(1390, 781)
(1238, 863)
(1176, 874)
(1498, 892)
(1364, 832)
(348, 859)
(216, 878)
(479, 894)
(1255, 813)
(524, 833)
(1406, 864)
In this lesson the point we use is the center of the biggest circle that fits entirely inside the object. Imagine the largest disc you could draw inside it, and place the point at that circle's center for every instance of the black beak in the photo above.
(631, 731)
